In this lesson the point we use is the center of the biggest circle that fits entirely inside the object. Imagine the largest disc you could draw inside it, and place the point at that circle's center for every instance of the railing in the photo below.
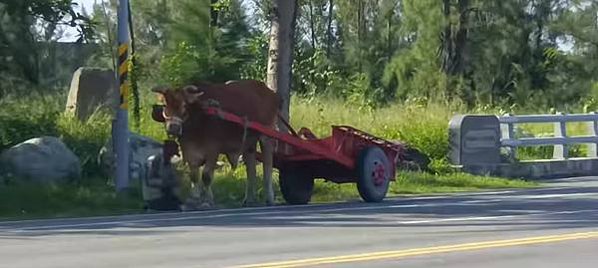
(561, 141)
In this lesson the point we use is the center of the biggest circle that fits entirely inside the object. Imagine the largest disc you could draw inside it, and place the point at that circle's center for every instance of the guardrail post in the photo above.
(593, 129)
(508, 132)
(561, 151)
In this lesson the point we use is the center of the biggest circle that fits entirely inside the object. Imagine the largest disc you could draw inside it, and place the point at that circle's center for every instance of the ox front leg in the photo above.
(195, 196)
(251, 185)
(267, 148)
(207, 176)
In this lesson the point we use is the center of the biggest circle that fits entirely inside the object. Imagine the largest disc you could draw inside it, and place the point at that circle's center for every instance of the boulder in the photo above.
(140, 149)
(92, 89)
(42, 160)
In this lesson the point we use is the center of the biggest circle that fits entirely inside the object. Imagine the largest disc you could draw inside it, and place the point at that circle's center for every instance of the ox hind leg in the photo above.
(249, 158)
(267, 149)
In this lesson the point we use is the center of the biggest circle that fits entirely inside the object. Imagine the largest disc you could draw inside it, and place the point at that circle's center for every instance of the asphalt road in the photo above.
(550, 227)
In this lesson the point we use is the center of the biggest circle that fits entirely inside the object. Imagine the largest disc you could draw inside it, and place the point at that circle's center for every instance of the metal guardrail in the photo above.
(561, 141)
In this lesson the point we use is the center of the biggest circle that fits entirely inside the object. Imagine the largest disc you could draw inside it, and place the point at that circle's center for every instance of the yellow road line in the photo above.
(425, 251)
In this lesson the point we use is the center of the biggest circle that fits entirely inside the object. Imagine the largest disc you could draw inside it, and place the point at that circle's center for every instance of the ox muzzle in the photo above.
(174, 125)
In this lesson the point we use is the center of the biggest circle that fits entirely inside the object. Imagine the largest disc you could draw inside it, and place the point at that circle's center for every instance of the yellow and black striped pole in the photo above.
(123, 71)
(120, 128)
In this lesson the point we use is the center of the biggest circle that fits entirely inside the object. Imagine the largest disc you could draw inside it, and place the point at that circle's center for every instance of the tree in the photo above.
(280, 54)
(26, 29)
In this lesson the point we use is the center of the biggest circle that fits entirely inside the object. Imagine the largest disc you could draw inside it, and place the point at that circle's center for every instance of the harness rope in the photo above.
(215, 104)
(244, 138)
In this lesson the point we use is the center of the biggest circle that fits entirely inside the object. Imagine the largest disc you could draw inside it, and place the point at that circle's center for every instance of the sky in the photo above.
(71, 33)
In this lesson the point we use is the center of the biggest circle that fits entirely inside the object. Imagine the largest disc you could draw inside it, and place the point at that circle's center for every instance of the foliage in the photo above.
(420, 124)
(41, 115)
(500, 53)
(27, 30)
(24, 119)
(396, 68)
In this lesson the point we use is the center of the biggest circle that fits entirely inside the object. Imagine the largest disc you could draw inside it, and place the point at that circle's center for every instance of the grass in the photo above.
(412, 183)
(29, 201)
(547, 130)
(422, 125)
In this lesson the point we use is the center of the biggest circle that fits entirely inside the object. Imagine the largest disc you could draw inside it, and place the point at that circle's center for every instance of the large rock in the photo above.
(43, 160)
(92, 89)
(140, 149)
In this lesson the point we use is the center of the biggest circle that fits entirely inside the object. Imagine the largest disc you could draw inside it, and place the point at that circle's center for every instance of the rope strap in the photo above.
(244, 138)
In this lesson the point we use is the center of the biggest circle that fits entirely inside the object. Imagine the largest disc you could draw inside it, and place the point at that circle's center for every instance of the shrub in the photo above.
(34, 116)
(26, 118)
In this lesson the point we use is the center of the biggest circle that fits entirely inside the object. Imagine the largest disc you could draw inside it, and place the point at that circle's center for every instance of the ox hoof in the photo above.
(206, 205)
(191, 204)
(250, 204)
(188, 207)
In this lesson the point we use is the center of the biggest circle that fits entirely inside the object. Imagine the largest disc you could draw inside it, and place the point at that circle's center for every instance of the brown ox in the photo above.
(203, 138)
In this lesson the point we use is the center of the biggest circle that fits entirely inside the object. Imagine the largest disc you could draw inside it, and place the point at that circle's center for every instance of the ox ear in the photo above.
(192, 93)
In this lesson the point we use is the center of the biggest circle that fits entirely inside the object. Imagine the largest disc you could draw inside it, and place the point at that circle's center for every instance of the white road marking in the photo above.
(399, 198)
(265, 211)
(200, 216)
(496, 217)
(554, 195)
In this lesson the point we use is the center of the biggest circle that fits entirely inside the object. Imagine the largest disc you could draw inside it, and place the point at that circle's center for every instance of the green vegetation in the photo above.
(96, 199)
(29, 201)
(424, 126)
(396, 68)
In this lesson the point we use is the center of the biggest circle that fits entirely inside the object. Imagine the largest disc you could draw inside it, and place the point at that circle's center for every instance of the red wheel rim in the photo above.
(379, 173)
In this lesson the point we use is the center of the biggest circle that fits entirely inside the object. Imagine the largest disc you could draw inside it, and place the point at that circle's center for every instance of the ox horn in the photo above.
(192, 89)
(160, 89)
(193, 93)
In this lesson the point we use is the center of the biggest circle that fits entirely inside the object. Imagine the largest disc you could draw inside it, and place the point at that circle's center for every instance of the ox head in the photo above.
(176, 106)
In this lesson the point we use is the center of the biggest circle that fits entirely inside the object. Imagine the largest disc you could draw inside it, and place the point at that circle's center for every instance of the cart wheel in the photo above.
(296, 186)
(373, 171)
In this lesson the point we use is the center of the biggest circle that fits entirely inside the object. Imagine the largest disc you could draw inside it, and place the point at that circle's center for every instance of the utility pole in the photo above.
(280, 52)
(120, 127)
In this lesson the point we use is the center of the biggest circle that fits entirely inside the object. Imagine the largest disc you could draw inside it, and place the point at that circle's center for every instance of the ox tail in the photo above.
(281, 117)
(286, 124)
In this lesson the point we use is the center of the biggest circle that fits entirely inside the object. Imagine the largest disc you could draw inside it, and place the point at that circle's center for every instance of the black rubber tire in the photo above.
(296, 186)
(367, 160)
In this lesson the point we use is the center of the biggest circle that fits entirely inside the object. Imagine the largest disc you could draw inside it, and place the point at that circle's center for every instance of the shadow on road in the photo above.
(526, 210)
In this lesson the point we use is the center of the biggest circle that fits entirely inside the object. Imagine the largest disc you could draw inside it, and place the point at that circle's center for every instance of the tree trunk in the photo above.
(360, 20)
(455, 42)
(447, 40)
(460, 45)
(213, 14)
(312, 25)
(389, 36)
(280, 54)
(329, 28)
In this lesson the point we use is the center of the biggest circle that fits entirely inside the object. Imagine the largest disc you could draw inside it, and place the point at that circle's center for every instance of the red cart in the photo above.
(348, 156)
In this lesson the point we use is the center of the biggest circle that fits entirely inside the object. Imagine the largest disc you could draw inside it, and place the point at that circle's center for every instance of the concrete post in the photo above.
(561, 151)
(593, 131)
(121, 125)
(474, 140)
(508, 132)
